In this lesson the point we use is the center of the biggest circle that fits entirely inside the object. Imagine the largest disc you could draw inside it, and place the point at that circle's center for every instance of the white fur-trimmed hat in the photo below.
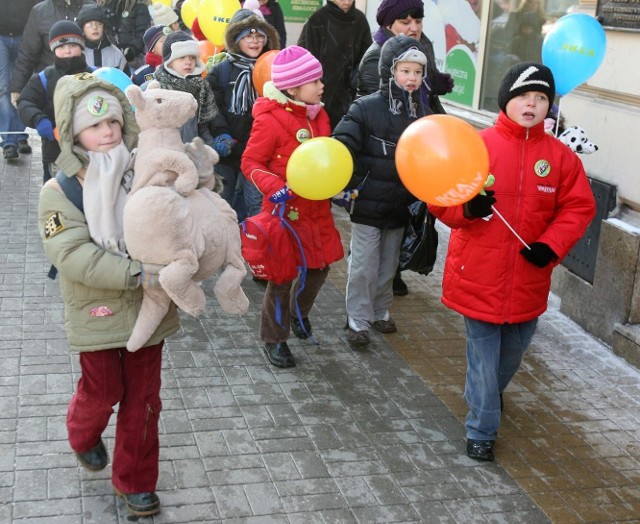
(179, 44)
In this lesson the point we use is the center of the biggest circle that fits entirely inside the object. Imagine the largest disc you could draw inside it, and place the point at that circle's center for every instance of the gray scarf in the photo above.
(104, 195)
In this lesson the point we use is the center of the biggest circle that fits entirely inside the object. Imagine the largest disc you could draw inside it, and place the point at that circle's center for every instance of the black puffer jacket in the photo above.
(36, 103)
(125, 24)
(369, 79)
(371, 131)
(222, 79)
(338, 40)
(35, 53)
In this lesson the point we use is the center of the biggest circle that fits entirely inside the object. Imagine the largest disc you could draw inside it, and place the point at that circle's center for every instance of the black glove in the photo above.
(539, 255)
(480, 205)
(442, 83)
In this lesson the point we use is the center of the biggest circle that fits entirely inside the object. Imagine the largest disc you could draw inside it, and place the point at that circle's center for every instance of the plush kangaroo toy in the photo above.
(167, 221)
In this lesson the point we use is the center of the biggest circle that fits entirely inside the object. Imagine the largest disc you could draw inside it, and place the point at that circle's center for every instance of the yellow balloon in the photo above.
(214, 17)
(164, 2)
(189, 12)
(319, 168)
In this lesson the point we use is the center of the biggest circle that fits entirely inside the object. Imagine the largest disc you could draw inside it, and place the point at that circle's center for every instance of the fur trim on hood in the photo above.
(245, 19)
(69, 90)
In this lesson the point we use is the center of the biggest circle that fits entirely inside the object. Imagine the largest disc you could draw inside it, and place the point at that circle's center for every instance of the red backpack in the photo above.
(268, 247)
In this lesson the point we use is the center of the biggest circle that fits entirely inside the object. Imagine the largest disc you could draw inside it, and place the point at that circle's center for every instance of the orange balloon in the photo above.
(207, 49)
(442, 160)
(262, 70)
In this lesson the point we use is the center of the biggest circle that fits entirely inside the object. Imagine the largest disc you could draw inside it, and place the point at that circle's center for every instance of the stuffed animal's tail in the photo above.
(155, 304)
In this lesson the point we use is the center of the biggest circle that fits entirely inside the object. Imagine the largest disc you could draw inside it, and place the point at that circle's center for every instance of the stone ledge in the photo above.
(626, 343)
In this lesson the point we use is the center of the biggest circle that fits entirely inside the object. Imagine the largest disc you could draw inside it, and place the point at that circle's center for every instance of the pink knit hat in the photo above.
(293, 67)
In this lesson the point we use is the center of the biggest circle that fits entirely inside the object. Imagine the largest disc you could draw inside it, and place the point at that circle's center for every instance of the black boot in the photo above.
(480, 449)
(279, 354)
(302, 334)
(400, 289)
(95, 459)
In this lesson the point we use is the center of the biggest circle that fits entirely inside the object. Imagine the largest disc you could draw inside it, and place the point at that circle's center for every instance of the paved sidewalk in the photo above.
(353, 437)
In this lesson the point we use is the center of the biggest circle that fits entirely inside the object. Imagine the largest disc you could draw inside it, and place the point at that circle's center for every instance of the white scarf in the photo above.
(104, 196)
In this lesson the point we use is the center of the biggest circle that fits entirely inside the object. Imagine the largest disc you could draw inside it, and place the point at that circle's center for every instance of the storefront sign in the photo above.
(619, 14)
(299, 10)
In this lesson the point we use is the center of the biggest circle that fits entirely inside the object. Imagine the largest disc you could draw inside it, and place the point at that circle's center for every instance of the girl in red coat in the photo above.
(500, 286)
(289, 114)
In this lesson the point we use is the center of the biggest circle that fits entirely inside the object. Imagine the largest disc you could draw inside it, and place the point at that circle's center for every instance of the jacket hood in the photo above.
(69, 90)
(90, 13)
(393, 48)
(245, 19)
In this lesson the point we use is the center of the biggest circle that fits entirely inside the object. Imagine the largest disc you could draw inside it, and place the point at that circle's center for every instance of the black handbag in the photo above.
(420, 241)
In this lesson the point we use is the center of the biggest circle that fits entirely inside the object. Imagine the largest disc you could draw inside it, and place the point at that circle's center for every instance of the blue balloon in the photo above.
(114, 76)
(574, 50)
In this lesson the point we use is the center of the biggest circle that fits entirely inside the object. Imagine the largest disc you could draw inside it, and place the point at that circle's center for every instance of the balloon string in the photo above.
(499, 215)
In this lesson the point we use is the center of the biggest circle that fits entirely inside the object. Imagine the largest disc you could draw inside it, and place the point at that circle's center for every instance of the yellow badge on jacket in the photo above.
(53, 225)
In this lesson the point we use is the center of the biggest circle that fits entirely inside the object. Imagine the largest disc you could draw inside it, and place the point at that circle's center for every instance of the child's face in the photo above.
(101, 137)
(68, 50)
(157, 49)
(252, 44)
(184, 65)
(309, 93)
(528, 109)
(93, 30)
(411, 27)
(408, 75)
(175, 26)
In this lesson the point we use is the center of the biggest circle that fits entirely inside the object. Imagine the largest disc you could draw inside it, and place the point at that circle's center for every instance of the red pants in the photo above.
(115, 376)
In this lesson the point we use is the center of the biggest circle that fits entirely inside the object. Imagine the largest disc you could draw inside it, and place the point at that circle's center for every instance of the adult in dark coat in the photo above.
(12, 24)
(35, 54)
(125, 24)
(395, 17)
(338, 35)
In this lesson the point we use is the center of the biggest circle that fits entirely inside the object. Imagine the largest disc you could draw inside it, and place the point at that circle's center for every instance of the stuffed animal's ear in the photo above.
(153, 84)
(135, 96)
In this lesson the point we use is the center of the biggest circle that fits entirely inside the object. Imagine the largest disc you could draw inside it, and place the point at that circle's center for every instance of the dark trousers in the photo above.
(115, 376)
(270, 329)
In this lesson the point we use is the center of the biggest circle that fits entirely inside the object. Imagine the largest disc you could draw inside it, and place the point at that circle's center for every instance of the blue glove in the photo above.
(45, 129)
(223, 144)
(281, 195)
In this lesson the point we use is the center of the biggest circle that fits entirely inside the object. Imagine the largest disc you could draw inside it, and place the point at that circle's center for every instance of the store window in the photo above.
(515, 34)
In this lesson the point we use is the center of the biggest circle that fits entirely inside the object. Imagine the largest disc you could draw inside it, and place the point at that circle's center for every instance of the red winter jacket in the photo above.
(543, 192)
(278, 128)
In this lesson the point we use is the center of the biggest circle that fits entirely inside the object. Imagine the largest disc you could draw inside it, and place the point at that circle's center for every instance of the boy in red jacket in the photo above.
(500, 286)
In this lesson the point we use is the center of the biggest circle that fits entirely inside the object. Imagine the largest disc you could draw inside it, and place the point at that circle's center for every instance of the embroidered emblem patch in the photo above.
(302, 135)
(542, 168)
(293, 214)
(97, 106)
(53, 225)
(100, 311)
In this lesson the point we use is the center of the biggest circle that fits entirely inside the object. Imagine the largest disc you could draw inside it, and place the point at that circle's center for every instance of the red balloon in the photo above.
(262, 70)
(442, 160)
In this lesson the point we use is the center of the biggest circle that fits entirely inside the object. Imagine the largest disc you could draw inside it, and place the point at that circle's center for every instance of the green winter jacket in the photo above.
(99, 289)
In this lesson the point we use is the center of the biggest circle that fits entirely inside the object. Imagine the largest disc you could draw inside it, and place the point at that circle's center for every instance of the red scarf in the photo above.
(152, 59)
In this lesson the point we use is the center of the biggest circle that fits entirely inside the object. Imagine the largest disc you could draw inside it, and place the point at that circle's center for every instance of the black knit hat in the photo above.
(65, 32)
(527, 76)
(90, 13)
(391, 10)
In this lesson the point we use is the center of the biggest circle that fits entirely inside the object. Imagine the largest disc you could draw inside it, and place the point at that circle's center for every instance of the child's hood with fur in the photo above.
(69, 90)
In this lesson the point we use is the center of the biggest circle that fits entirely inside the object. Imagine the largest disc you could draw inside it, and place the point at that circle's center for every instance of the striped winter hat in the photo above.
(293, 67)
